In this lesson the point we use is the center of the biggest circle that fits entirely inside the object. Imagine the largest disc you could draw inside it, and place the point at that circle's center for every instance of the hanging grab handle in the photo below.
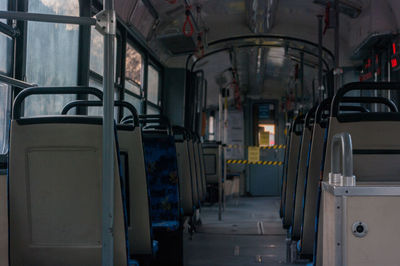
(342, 148)
(188, 32)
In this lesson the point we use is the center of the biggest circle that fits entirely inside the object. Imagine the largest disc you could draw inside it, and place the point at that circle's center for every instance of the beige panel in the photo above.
(185, 182)
(368, 135)
(294, 150)
(380, 245)
(301, 178)
(55, 196)
(196, 196)
(139, 230)
(3, 221)
(328, 243)
(313, 177)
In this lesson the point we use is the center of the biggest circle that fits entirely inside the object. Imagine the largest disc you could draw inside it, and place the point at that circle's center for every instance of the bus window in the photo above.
(56, 65)
(134, 100)
(152, 110)
(4, 116)
(96, 52)
(133, 70)
(153, 85)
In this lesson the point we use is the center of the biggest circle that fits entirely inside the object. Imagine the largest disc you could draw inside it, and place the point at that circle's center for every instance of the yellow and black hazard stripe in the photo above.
(274, 147)
(274, 163)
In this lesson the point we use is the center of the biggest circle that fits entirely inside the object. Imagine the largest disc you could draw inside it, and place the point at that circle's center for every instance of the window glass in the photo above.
(6, 46)
(133, 67)
(95, 111)
(153, 85)
(97, 52)
(133, 87)
(4, 116)
(98, 111)
(152, 110)
(135, 101)
(3, 6)
(56, 65)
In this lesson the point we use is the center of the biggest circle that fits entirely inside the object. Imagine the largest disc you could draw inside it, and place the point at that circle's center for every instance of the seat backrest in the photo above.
(313, 177)
(3, 219)
(185, 179)
(301, 175)
(375, 143)
(193, 171)
(374, 134)
(55, 193)
(137, 193)
(163, 181)
(198, 171)
(212, 167)
(202, 170)
(294, 151)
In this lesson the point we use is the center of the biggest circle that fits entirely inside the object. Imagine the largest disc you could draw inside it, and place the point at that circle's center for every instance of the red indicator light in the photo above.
(394, 62)
(394, 48)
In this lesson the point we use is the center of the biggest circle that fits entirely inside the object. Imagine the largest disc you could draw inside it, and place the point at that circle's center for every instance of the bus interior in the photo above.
(199, 132)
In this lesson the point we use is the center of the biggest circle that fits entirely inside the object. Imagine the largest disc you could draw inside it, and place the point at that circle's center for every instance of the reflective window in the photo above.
(135, 101)
(6, 48)
(152, 110)
(3, 4)
(5, 95)
(97, 52)
(6, 45)
(98, 111)
(153, 85)
(56, 65)
(95, 111)
(133, 69)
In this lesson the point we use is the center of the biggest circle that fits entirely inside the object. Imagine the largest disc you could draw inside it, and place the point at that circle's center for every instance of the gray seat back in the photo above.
(202, 170)
(300, 181)
(55, 195)
(185, 178)
(139, 226)
(212, 165)
(379, 136)
(313, 178)
(294, 151)
(3, 220)
(198, 171)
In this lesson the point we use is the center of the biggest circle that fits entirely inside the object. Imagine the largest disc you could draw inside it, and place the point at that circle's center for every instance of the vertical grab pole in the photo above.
(106, 22)
(320, 33)
(220, 132)
(337, 45)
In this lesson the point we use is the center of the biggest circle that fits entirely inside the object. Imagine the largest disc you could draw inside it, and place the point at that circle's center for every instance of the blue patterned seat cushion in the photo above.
(162, 177)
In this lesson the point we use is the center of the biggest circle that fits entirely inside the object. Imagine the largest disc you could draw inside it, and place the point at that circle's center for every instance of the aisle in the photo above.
(250, 233)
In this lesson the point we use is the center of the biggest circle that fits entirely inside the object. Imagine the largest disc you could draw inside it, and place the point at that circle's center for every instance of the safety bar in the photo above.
(342, 147)
(15, 82)
(365, 86)
(86, 103)
(379, 100)
(325, 105)
(51, 91)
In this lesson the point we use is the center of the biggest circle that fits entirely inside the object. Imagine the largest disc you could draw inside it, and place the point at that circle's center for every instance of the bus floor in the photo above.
(250, 233)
